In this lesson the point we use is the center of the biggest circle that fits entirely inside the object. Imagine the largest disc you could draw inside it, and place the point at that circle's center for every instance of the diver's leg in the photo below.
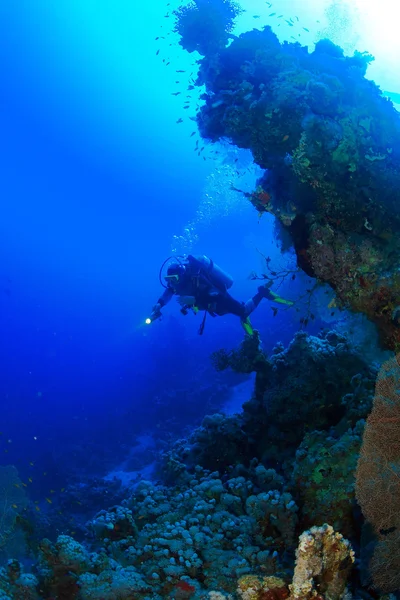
(224, 304)
(251, 305)
(264, 292)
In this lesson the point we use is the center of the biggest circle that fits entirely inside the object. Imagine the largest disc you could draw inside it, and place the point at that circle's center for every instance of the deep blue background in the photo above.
(96, 178)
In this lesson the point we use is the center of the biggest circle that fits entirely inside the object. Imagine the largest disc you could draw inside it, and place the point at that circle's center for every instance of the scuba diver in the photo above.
(201, 285)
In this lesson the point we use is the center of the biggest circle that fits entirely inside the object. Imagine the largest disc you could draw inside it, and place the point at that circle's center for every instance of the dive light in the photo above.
(153, 317)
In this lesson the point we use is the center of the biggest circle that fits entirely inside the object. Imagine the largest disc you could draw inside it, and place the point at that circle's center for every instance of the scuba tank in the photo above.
(216, 276)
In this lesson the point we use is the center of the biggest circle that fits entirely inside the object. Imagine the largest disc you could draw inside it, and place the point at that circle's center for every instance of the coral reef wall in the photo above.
(330, 144)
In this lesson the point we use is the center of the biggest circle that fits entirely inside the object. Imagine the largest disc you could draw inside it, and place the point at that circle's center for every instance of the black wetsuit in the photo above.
(194, 283)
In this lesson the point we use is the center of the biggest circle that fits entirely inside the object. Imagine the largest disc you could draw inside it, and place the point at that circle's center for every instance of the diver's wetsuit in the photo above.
(197, 287)
(208, 297)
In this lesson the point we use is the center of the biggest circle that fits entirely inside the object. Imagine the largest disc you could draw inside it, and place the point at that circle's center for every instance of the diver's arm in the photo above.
(162, 301)
(166, 297)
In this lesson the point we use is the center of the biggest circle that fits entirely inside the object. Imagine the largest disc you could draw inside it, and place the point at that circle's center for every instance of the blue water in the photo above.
(96, 179)
(98, 183)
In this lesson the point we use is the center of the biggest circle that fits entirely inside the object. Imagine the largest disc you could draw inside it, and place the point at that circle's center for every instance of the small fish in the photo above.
(49, 500)
(272, 15)
(190, 87)
(168, 63)
(192, 134)
(157, 38)
(280, 16)
(305, 29)
(32, 464)
(180, 120)
(289, 23)
(292, 37)
(175, 93)
(158, 52)
(14, 506)
(185, 107)
(297, 18)
(30, 480)
(180, 71)
(37, 508)
(16, 485)
(177, 81)
(256, 16)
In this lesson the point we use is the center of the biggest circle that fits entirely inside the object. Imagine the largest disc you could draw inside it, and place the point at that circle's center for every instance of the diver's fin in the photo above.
(246, 324)
(279, 300)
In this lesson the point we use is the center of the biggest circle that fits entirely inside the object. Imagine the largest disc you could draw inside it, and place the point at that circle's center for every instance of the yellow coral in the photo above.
(323, 561)
(272, 583)
(251, 587)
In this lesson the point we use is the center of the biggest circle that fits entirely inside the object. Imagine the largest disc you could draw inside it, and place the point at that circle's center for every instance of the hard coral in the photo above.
(267, 588)
(296, 398)
(342, 138)
(323, 562)
(323, 478)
